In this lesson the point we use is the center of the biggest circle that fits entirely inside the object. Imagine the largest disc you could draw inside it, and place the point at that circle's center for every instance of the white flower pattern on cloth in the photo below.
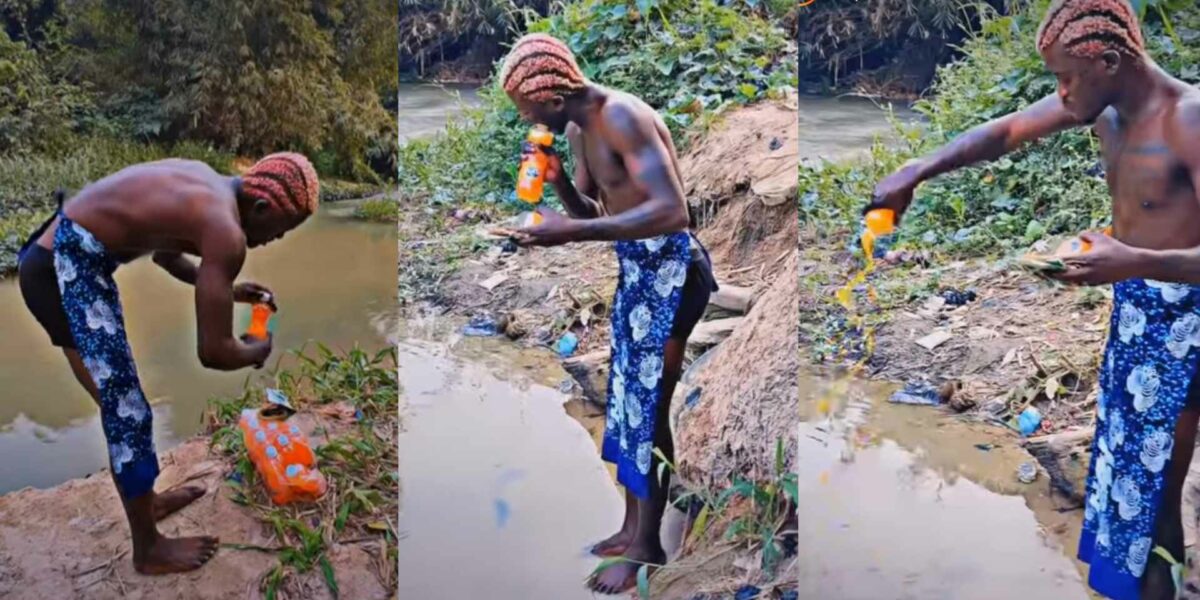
(119, 454)
(650, 371)
(100, 316)
(632, 272)
(1172, 293)
(616, 412)
(87, 240)
(1185, 333)
(671, 275)
(1116, 429)
(633, 414)
(1103, 537)
(1143, 383)
(101, 282)
(655, 244)
(1132, 322)
(65, 269)
(1128, 497)
(639, 322)
(132, 406)
(1139, 553)
(99, 369)
(644, 453)
(1156, 450)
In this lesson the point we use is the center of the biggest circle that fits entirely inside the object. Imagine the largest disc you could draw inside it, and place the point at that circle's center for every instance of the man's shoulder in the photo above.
(1184, 127)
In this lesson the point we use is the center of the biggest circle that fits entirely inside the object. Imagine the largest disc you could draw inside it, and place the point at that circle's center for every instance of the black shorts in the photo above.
(39, 288)
(699, 285)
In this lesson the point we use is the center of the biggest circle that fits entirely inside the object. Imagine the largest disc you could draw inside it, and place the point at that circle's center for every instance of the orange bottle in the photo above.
(880, 223)
(260, 314)
(531, 176)
(283, 458)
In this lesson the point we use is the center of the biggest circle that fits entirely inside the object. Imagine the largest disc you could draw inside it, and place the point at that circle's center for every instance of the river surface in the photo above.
(899, 502)
(334, 279)
(503, 489)
(425, 108)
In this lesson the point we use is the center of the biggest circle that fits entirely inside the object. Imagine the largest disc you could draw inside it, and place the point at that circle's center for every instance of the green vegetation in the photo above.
(382, 210)
(90, 86)
(1050, 187)
(360, 464)
(687, 59)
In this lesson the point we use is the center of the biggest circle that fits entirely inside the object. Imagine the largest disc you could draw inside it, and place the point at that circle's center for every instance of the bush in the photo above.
(685, 58)
(1050, 187)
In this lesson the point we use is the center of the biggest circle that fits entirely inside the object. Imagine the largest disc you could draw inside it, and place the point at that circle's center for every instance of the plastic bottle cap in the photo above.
(293, 470)
(260, 435)
(283, 440)
(272, 453)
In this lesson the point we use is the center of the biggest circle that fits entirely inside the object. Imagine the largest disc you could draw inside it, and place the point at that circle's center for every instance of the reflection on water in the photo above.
(899, 503)
(425, 108)
(838, 128)
(333, 277)
(501, 487)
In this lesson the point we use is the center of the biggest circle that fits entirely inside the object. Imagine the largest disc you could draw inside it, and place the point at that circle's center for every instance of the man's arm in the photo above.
(222, 251)
(578, 197)
(984, 142)
(178, 265)
(645, 156)
(998, 137)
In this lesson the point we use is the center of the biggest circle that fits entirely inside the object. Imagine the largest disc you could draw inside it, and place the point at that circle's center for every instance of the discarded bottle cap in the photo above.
(272, 453)
(283, 440)
(293, 470)
(260, 435)
(1027, 472)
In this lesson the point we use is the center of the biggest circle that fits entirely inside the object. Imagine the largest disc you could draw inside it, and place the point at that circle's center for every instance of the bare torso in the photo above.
(1155, 204)
(616, 189)
(150, 207)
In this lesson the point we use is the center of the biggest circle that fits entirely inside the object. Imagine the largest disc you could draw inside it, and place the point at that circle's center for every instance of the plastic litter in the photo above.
(481, 326)
(567, 344)
(1029, 421)
(1027, 472)
(921, 394)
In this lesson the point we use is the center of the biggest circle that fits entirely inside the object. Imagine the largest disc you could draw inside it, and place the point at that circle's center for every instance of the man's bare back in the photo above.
(606, 176)
(162, 206)
(1155, 205)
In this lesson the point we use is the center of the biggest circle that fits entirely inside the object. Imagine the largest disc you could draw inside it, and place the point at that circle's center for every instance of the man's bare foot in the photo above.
(615, 545)
(175, 499)
(176, 555)
(622, 577)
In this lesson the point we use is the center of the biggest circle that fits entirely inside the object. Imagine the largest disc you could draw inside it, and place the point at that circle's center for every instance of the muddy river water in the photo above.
(899, 501)
(334, 284)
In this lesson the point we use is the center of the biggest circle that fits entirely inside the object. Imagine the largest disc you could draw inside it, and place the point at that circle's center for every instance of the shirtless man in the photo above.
(1148, 124)
(626, 190)
(169, 209)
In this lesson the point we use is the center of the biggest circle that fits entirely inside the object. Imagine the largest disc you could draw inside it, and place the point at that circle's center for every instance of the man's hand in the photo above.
(1108, 261)
(259, 349)
(896, 190)
(554, 230)
(553, 163)
(248, 292)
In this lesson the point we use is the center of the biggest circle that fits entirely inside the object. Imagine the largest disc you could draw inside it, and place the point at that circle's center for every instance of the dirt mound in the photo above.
(753, 149)
(71, 541)
(747, 395)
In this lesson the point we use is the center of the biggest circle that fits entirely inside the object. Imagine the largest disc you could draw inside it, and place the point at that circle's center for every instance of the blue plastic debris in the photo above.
(747, 592)
(503, 512)
(567, 344)
(917, 393)
(1029, 421)
(480, 326)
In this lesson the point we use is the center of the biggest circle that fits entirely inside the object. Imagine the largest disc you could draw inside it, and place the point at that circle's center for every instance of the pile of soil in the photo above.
(72, 541)
(729, 420)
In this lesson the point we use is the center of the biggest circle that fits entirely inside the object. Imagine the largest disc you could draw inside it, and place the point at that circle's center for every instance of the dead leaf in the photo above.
(1052, 387)
(1009, 356)
(492, 282)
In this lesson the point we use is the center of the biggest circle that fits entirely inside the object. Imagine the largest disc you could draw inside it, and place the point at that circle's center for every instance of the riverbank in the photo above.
(739, 177)
(72, 539)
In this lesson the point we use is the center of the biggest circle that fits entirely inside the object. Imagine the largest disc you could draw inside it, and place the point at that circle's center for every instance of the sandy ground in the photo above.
(72, 541)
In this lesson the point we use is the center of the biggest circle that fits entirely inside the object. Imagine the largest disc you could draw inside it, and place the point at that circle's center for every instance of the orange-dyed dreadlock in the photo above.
(1087, 28)
(286, 180)
(540, 67)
